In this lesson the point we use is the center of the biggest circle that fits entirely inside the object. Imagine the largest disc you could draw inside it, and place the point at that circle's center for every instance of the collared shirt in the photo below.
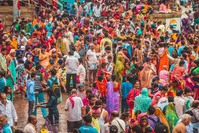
(29, 128)
(30, 92)
(3, 65)
(10, 111)
(6, 129)
(72, 64)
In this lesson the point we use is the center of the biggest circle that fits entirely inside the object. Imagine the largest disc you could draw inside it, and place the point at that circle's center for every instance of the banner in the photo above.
(175, 22)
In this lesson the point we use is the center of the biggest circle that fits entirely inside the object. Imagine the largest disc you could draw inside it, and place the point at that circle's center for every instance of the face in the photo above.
(92, 101)
(144, 122)
(34, 121)
(187, 121)
(137, 85)
(3, 98)
(2, 121)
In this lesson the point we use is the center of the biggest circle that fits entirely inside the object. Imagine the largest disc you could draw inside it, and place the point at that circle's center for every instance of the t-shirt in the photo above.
(74, 114)
(87, 129)
(92, 58)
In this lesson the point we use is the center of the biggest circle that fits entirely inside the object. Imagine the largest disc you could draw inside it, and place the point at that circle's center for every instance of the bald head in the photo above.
(3, 120)
(115, 114)
(74, 91)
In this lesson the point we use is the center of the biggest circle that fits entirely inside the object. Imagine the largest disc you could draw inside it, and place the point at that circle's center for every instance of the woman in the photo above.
(52, 121)
(143, 122)
(162, 52)
(49, 28)
(44, 57)
(160, 114)
(113, 95)
(132, 94)
(119, 67)
(12, 73)
(195, 118)
(142, 102)
(171, 114)
(178, 72)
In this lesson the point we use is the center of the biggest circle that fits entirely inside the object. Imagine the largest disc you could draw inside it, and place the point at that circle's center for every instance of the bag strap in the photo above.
(150, 118)
(120, 125)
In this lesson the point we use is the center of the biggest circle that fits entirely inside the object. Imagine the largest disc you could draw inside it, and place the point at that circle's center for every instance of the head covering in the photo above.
(143, 101)
(80, 85)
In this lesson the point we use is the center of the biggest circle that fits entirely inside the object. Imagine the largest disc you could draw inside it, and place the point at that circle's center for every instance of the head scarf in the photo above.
(72, 100)
(143, 101)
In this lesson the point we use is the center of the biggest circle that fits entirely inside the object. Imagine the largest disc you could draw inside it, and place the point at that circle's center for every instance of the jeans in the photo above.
(124, 105)
(40, 99)
(68, 78)
(31, 105)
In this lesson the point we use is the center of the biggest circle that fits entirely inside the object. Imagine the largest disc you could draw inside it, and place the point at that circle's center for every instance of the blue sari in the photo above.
(49, 28)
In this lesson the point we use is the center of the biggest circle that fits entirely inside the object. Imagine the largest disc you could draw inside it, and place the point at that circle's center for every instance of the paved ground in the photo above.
(21, 107)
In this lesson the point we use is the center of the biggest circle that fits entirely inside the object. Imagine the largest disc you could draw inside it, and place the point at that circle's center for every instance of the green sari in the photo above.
(171, 115)
(119, 68)
(11, 80)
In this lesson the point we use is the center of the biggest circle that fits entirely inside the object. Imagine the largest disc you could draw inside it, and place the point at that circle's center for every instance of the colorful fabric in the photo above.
(142, 102)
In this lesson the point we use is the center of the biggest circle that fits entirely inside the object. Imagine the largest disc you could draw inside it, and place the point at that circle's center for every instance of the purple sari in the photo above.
(112, 98)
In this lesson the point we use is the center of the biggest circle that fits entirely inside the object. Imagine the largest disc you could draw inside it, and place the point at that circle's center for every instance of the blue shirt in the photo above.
(180, 50)
(30, 90)
(126, 87)
(87, 129)
(170, 49)
(6, 129)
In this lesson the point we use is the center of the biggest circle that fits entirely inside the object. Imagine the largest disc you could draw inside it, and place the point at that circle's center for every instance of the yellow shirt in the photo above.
(95, 123)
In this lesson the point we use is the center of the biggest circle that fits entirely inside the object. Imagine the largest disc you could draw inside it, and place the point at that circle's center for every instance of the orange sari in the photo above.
(163, 59)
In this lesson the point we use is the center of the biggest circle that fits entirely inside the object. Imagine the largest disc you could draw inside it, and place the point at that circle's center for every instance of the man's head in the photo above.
(186, 118)
(3, 120)
(32, 119)
(151, 110)
(3, 51)
(87, 119)
(3, 98)
(114, 114)
(92, 99)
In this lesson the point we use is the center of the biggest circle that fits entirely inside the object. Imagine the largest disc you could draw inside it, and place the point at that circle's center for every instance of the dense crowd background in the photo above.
(122, 71)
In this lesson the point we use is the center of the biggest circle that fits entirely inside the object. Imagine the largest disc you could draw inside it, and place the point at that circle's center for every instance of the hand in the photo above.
(36, 92)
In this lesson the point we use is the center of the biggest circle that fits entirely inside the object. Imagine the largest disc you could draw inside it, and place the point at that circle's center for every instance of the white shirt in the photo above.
(72, 64)
(97, 11)
(10, 111)
(29, 128)
(74, 114)
(179, 105)
(82, 73)
(92, 57)
(119, 123)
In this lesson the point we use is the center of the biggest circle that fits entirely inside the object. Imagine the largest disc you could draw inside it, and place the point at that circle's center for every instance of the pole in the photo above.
(15, 10)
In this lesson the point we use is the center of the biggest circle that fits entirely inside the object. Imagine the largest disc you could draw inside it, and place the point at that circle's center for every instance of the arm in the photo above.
(14, 113)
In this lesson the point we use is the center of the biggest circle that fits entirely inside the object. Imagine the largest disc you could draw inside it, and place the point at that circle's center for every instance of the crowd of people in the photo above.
(122, 72)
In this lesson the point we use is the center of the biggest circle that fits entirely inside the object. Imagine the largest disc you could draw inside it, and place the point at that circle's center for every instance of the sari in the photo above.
(159, 113)
(44, 59)
(142, 102)
(164, 60)
(119, 68)
(103, 41)
(131, 97)
(101, 86)
(11, 80)
(112, 97)
(178, 73)
(171, 115)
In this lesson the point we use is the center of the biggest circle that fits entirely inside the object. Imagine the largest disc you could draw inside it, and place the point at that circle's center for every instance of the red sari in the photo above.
(101, 86)
(131, 96)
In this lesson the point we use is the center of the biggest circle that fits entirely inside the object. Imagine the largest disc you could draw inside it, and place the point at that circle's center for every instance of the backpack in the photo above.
(56, 87)
(159, 126)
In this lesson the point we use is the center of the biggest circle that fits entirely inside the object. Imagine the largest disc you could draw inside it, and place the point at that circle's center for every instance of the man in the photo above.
(119, 123)
(92, 62)
(179, 102)
(5, 127)
(30, 92)
(152, 117)
(3, 65)
(31, 125)
(87, 128)
(126, 87)
(181, 127)
(7, 108)
(74, 106)
(39, 89)
(72, 64)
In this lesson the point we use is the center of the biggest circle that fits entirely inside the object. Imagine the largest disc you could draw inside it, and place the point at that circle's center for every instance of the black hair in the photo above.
(113, 77)
(80, 60)
(107, 48)
(195, 104)
(50, 93)
(87, 118)
(3, 49)
(88, 91)
(38, 67)
(100, 78)
(32, 75)
(164, 88)
(98, 102)
(170, 99)
(136, 129)
(6, 89)
(71, 53)
(18, 131)
(113, 129)
(128, 77)
(53, 72)
(124, 116)
(187, 90)
(179, 93)
(155, 85)
(181, 63)
(151, 110)
(91, 96)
